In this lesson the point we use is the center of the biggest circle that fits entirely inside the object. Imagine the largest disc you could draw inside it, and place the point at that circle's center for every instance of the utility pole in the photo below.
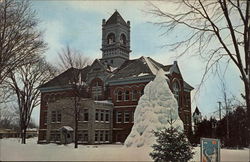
(219, 109)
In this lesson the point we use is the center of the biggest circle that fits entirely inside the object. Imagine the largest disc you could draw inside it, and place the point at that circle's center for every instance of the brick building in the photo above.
(115, 82)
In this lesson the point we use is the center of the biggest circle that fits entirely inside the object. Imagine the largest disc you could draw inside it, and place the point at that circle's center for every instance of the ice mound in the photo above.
(155, 110)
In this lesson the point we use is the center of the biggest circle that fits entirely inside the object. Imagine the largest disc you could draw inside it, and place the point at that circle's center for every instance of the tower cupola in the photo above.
(115, 40)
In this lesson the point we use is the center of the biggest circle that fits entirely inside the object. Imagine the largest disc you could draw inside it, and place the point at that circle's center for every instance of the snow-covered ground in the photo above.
(11, 149)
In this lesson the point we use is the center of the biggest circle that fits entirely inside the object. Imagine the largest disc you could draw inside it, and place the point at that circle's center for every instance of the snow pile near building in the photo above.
(155, 110)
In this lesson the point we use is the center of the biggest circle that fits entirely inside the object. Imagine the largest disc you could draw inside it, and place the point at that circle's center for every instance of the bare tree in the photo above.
(24, 82)
(8, 116)
(20, 41)
(70, 58)
(218, 30)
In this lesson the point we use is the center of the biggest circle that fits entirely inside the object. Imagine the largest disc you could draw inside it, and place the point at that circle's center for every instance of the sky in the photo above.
(78, 24)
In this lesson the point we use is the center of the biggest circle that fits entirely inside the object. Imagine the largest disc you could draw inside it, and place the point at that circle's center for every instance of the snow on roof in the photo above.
(151, 65)
(104, 102)
(143, 74)
(112, 68)
(67, 128)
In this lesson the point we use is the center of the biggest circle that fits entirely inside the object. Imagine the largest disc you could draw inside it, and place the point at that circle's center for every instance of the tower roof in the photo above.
(116, 18)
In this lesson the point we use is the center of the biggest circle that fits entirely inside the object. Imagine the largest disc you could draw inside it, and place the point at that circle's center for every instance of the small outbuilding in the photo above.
(66, 133)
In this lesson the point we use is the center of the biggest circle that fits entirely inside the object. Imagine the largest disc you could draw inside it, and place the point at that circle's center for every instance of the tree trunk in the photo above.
(76, 124)
(76, 134)
(23, 134)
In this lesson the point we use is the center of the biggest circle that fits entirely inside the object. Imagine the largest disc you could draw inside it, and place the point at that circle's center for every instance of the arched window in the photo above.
(126, 95)
(111, 38)
(134, 95)
(123, 39)
(119, 96)
(96, 89)
(176, 90)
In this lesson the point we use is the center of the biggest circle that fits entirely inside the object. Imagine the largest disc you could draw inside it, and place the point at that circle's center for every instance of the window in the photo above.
(80, 136)
(45, 117)
(134, 95)
(123, 39)
(59, 116)
(83, 136)
(132, 118)
(111, 61)
(119, 96)
(107, 116)
(56, 116)
(96, 135)
(126, 117)
(101, 136)
(111, 38)
(96, 91)
(86, 115)
(97, 115)
(102, 115)
(83, 115)
(53, 116)
(107, 136)
(118, 117)
(127, 95)
(176, 91)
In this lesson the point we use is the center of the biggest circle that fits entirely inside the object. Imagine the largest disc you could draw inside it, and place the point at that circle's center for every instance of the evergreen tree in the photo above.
(172, 145)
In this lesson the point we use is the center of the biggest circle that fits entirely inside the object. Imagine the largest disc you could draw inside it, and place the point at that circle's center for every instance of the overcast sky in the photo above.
(78, 24)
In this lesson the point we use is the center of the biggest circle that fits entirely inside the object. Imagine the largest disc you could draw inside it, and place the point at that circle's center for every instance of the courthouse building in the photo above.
(112, 87)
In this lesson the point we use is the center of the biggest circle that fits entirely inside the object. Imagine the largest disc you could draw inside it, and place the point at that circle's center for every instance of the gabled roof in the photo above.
(187, 86)
(116, 18)
(143, 66)
(196, 111)
(66, 77)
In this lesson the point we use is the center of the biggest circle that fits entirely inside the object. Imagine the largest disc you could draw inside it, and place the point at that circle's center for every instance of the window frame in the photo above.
(125, 117)
(58, 113)
(45, 117)
(126, 95)
(107, 116)
(106, 136)
(134, 95)
(97, 136)
(53, 117)
(97, 115)
(119, 97)
(111, 38)
(102, 115)
(117, 116)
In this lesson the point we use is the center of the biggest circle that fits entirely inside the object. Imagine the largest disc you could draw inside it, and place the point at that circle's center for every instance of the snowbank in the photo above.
(155, 110)
(12, 150)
